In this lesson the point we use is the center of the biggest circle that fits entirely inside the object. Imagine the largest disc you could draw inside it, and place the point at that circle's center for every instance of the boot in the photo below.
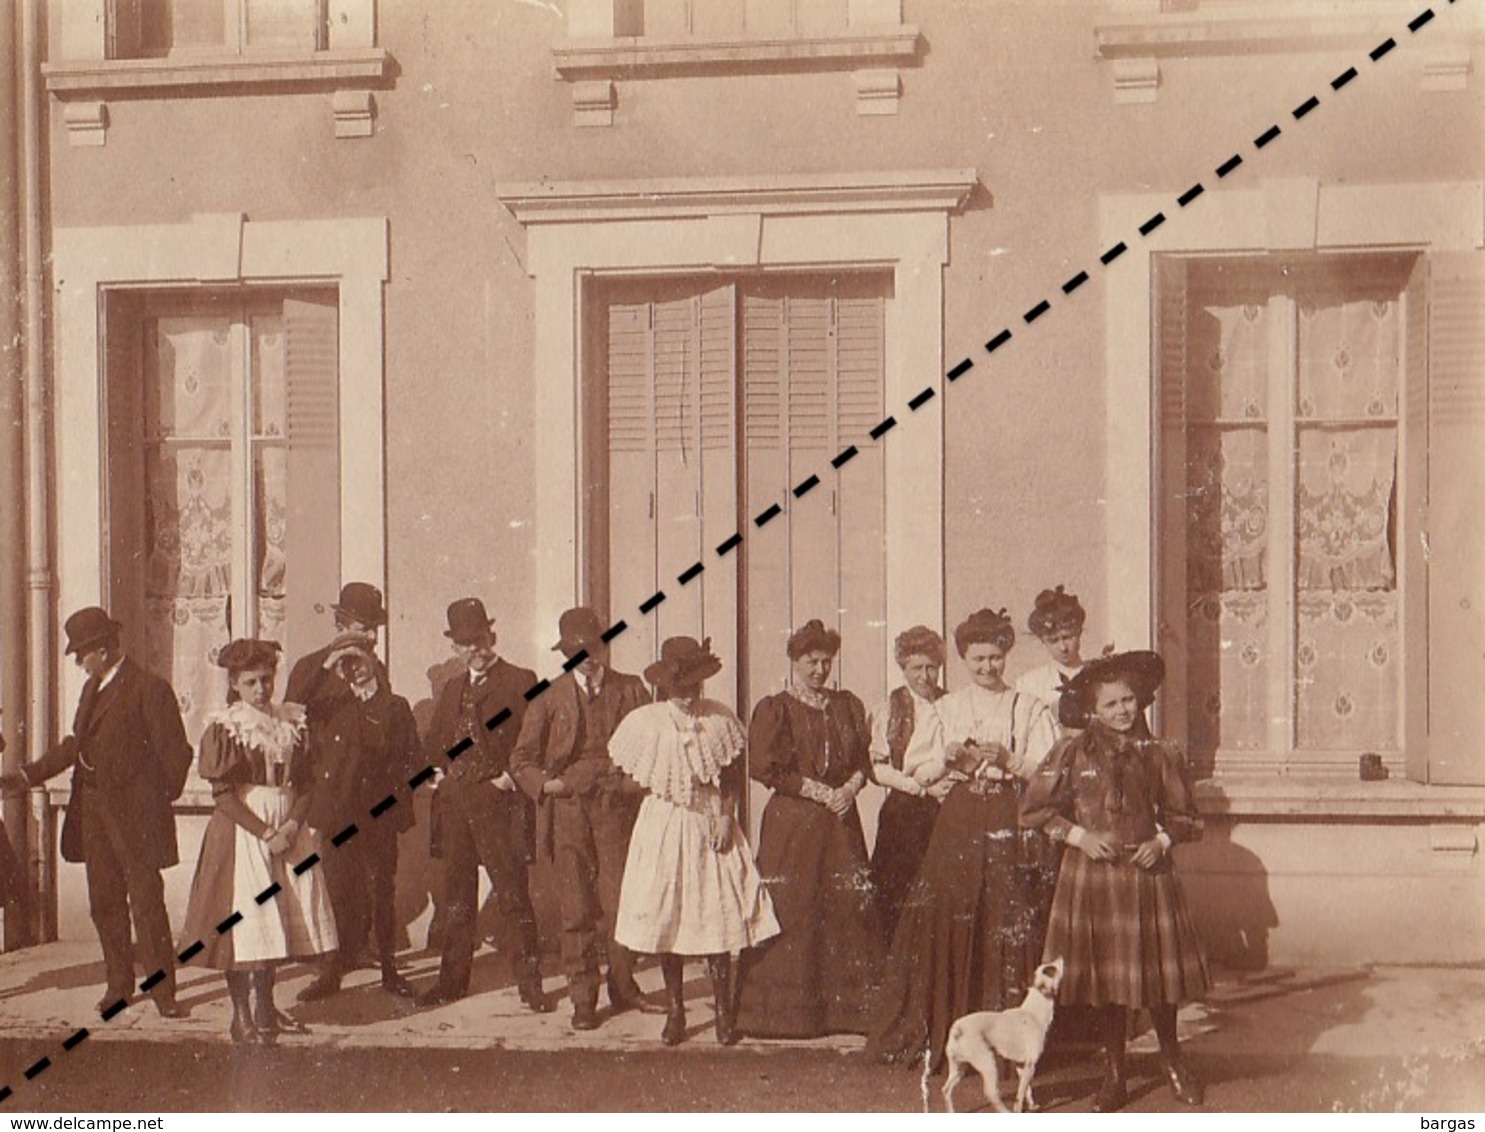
(265, 1014)
(719, 967)
(673, 967)
(1113, 1094)
(243, 1031)
(1184, 1085)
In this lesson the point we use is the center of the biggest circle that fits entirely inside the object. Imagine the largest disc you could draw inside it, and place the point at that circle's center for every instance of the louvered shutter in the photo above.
(312, 515)
(673, 466)
(1413, 521)
(1456, 537)
(813, 378)
(1171, 327)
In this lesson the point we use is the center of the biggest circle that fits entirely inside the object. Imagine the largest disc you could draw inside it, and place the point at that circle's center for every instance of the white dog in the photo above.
(1017, 1035)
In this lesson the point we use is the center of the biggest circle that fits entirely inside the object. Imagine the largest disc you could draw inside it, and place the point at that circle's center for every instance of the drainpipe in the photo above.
(13, 659)
(39, 581)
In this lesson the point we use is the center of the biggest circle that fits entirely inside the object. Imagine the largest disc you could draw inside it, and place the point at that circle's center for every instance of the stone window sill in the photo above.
(1320, 797)
(97, 78)
(636, 57)
(1250, 28)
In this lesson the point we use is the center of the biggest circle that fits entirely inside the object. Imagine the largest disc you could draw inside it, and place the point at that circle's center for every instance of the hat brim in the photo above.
(1142, 669)
(375, 620)
(664, 675)
(93, 640)
(468, 636)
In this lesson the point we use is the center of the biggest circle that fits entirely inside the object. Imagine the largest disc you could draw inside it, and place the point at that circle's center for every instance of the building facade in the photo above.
(545, 306)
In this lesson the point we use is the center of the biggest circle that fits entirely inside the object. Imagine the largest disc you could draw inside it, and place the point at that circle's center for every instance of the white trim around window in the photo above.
(215, 250)
(896, 221)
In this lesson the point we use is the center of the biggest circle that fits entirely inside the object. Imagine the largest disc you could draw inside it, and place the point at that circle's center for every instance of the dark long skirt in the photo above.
(904, 828)
(967, 938)
(816, 976)
(1124, 935)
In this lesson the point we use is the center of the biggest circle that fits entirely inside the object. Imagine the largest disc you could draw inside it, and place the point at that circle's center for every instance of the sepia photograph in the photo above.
(801, 556)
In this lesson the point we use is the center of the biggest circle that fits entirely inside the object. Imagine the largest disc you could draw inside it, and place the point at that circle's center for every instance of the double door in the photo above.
(708, 401)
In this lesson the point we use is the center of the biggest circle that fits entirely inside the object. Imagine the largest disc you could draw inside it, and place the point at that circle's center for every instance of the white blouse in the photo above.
(1045, 683)
(925, 746)
(1016, 720)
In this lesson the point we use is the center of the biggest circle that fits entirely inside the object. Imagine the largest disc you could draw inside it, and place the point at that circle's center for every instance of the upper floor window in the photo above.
(158, 28)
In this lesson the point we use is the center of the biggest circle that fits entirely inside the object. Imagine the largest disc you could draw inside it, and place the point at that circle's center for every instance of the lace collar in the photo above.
(810, 698)
(275, 732)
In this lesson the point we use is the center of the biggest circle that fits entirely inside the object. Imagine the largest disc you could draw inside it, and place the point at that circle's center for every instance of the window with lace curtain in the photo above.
(1283, 432)
(223, 478)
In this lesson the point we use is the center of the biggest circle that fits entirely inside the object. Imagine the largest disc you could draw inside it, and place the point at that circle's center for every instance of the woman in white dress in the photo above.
(1057, 621)
(254, 754)
(690, 885)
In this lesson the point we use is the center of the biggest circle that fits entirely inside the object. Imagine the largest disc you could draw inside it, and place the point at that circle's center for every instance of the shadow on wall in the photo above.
(1226, 888)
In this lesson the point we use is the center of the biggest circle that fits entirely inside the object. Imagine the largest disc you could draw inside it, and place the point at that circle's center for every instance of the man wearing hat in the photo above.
(129, 758)
(358, 615)
(482, 817)
(363, 744)
(585, 810)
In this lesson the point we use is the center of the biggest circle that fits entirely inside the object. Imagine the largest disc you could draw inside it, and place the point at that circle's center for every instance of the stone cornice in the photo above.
(559, 202)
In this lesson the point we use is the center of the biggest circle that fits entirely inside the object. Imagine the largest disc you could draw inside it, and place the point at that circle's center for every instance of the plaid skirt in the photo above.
(1124, 934)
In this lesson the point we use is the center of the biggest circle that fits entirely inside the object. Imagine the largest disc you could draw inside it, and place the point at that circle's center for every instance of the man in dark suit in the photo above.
(481, 815)
(363, 744)
(129, 758)
(585, 808)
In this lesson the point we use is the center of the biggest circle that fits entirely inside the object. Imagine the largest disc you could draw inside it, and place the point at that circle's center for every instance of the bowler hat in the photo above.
(577, 630)
(1141, 669)
(88, 628)
(683, 663)
(361, 602)
(468, 621)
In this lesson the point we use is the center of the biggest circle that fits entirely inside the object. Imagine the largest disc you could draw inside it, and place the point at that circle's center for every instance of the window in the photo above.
(223, 478)
(1311, 444)
(155, 28)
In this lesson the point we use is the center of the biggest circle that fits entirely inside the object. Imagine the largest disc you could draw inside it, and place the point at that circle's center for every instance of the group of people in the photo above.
(1020, 823)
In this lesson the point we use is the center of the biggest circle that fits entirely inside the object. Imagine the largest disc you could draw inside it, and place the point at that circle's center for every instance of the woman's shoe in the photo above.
(719, 967)
(1185, 1086)
(242, 1029)
(675, 1027)
(1112, 1096)
(673, 968)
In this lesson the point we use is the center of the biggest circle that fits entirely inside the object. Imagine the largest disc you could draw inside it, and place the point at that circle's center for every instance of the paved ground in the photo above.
(1388, 1039)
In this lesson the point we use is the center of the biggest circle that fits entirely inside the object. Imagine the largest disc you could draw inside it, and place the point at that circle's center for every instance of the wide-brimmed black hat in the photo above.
(88, 628)
(468, 621)
(579, 630)
(244, 653)
(683, 663)
(1141, 669)
(362, 602)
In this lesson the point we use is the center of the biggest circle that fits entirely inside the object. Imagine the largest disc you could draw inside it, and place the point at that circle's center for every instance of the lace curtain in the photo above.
(1346, 653)
(192, 538)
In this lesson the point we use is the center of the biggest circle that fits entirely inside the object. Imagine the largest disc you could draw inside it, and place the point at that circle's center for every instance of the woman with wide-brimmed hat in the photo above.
(810, 746)
(255, 756)
(1119, 799)
(690, 886)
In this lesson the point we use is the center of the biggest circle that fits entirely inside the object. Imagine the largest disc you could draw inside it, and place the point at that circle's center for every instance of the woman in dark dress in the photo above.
(809, 746)
(967, 939)
(1119, 799)
(253, 753)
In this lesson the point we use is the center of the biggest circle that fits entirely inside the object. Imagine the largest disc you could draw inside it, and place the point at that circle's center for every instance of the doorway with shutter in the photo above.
(223, 477)
(707, 400)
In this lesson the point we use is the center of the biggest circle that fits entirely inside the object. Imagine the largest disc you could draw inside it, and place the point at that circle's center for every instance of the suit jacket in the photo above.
(359, 753)
(131, 754)
(548, 743)
(503, 687)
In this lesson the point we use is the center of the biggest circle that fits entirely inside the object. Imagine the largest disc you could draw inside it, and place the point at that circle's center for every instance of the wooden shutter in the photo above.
(672, 487)
(1456, 537)
(1170, 332)
(1413, 522)
(813, 379)
(312, 534)
(124, 535)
